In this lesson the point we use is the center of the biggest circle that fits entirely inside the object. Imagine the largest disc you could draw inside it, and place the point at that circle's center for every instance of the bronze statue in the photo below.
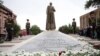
(28, 27)
(50, 23)
(74, 26)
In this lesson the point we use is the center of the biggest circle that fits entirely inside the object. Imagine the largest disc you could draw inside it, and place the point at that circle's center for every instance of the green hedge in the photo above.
(67, 29)
(35, 30)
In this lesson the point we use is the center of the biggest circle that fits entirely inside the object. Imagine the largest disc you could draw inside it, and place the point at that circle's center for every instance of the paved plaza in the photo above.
(47, 41)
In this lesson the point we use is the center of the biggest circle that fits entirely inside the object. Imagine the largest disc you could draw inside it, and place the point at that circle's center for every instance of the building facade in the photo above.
(84, 19)
(4, 11)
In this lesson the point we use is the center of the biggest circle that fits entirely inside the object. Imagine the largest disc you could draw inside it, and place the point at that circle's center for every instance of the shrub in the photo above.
(67, 29)
(64, 29)
(16, 30)
(35, 30)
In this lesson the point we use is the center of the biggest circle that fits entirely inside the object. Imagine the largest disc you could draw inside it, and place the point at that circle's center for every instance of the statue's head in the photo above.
(27, 19)
(73, 19)
(50, 3)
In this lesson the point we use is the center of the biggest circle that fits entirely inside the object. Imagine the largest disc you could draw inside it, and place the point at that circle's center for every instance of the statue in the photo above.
(28, 27)
(50, 23)
(74, 26)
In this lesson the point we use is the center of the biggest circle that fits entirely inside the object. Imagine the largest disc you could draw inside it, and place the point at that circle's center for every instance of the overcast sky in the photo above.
(35, 11)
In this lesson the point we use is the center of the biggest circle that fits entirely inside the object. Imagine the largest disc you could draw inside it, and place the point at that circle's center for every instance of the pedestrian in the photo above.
(28, 27)
(74, 25)
(9, 27)
(92, 24)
